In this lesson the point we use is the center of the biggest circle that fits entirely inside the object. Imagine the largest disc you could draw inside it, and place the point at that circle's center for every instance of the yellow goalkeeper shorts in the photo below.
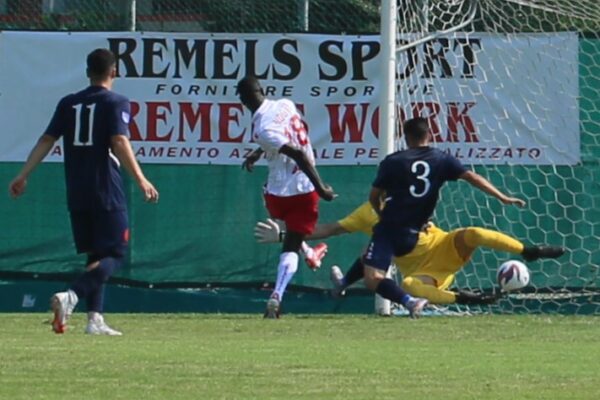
(434, 255)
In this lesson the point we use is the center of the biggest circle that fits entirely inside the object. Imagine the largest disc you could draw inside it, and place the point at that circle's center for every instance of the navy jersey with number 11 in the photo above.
(87, 120)
(412, 180)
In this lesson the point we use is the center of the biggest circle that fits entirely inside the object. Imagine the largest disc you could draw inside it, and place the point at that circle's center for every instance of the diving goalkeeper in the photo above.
(429, 269)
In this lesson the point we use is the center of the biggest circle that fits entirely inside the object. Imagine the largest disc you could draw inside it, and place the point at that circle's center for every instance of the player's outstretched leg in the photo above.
(473, 237)
(532, 253)
(341, 282)
(62, 304)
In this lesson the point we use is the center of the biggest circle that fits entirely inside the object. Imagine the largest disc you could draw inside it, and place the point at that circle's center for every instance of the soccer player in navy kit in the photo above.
(93, 124)
(408, 182)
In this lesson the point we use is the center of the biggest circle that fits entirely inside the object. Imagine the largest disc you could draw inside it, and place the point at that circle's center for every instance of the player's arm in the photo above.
(269, 231)
(121, 147)
(486, 186)
(37, 154)
(324, 191)
(252, 158)
(323, 231)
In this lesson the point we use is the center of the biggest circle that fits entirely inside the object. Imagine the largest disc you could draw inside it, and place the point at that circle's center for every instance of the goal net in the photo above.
(511, 88)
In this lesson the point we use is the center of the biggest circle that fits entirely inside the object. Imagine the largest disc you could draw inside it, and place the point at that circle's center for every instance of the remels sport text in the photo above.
(230, 59)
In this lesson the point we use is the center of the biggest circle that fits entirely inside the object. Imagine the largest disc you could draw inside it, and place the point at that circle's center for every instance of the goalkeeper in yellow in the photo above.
(429, 269)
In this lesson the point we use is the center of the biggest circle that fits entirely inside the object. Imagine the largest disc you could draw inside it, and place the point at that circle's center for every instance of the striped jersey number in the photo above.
(422, 170)
(83, 113)
(299, 130)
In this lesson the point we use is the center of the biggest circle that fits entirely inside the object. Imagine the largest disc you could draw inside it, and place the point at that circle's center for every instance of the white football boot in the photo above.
(415, 306)
(62, 304)
(97, 326)
(273, 310)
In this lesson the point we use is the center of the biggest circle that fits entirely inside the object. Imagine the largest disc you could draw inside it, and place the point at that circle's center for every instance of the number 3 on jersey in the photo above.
(421, 169)
(84, 123)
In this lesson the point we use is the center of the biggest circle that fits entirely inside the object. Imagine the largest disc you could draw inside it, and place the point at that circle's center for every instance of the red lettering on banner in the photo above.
(349, 122)
(431, 116)
(154, 114)
(225, 118)
(188, 115)
(134, 130)
(456, 117)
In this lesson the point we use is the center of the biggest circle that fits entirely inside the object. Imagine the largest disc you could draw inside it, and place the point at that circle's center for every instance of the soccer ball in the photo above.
(512, 275)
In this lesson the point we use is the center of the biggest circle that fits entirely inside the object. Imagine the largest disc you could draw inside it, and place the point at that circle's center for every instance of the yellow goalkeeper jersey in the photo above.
(434, 255)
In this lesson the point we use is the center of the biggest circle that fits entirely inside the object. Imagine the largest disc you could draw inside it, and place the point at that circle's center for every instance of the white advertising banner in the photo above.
(490, 99)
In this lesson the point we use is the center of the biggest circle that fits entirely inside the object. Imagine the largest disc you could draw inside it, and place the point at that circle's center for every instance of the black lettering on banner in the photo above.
(184, 55)
(150, 52)
(495, 153)
(122, 49)
(334, 60)
(469, 61)
(222, 53)
(359, 59)
(440, 57)
(251, 60)
(288, 59)
(412, 58)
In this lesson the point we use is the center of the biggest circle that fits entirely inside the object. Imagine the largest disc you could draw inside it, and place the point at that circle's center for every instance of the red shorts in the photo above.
(300, 212)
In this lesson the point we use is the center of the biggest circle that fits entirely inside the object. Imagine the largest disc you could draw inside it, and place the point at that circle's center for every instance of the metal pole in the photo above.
(425, 15)
(303, 12)
(387, 102)
(132, 16)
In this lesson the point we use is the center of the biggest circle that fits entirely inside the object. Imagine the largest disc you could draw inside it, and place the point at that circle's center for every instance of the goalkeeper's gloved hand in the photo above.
(268, 232)
(465, 297)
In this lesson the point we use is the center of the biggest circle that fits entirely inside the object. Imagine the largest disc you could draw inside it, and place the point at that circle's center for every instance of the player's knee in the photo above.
(472, 235)
(291, 268)
(372, 277)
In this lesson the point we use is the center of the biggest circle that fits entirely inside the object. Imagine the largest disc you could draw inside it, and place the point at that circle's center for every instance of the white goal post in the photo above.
(509, 87)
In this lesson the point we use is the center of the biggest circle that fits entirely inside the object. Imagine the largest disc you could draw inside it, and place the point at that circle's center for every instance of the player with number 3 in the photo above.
(408, 184)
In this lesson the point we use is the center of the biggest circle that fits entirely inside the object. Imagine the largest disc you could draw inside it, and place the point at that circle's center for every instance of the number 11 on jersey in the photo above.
(84, 115)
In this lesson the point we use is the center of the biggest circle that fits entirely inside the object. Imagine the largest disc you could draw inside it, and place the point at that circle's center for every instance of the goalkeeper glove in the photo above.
(268, 232)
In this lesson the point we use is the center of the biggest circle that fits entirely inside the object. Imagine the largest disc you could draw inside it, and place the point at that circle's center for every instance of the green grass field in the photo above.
(184, 356)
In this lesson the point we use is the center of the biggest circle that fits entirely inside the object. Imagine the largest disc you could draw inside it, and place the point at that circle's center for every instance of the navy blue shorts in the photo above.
(100, 232)
(389, 242)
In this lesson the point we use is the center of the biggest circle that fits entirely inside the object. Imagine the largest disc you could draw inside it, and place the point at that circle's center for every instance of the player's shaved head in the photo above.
(416, 131)
(250, 92)
(100, 63)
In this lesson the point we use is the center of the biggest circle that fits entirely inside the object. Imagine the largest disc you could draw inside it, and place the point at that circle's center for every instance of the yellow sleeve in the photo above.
(361, 219)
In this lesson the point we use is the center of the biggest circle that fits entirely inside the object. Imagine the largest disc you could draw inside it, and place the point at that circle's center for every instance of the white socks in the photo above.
(288, 265)
(95, 316)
